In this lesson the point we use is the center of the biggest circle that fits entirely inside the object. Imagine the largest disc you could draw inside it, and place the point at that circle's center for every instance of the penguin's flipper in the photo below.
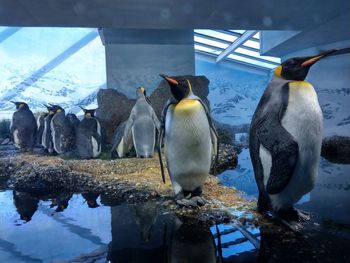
(279, 142)
(161, 135)
(155, 120)
(117, 137)
(128, 126)
(214, 136)
(159, 150)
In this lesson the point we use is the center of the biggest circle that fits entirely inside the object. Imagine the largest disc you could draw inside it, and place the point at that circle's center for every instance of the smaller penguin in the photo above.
(89, 136)
(62, 130)
(40, 121)
(190, 142)
(141, 126)
(47, 141)
(23, 127)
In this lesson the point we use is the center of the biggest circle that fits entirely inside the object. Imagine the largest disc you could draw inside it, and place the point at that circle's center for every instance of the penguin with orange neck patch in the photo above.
(285, 140)
(190, 142)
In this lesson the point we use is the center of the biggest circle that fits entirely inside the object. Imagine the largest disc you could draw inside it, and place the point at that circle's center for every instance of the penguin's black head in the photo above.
(57, 108)
(88, 113)
(180, 88)
(141, 92)
(20, 105)
(298, 68)
(50, 109)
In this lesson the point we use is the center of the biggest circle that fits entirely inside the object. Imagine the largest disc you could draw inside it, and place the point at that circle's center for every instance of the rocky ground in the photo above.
(133, 180)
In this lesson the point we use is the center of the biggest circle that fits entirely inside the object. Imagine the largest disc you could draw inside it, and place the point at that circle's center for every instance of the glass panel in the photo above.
(238, 31)
(206, 49)
(256, 54)
(251, 61)
(252, 44)
(210, 42)
(257, 35)
(216, 34)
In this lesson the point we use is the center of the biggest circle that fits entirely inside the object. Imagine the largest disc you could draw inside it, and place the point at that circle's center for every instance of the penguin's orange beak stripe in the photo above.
(173, 81)
(311, 61)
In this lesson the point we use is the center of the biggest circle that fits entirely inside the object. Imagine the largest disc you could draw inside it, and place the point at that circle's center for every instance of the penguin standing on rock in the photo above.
(23, 127)
(47, 141)
(89, 136)
(62, 130)
(285, 140)
(141, 126)
(190, 142)
(40, 121)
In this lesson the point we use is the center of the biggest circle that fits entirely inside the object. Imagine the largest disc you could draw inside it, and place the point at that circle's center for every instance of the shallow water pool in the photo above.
(88, 227)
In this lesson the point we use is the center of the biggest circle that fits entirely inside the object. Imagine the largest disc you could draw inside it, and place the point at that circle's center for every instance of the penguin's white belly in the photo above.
(96, 150)
(120, 149)
(303, 120)
(53, 135)
(43, 138)
(188, 145)
(15, 138)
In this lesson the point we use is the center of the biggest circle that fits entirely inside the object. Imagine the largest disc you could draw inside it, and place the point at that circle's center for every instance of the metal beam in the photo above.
(8, 32)
(248, 34)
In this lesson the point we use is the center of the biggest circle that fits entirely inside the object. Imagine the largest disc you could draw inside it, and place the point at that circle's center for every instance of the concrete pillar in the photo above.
(135, 57)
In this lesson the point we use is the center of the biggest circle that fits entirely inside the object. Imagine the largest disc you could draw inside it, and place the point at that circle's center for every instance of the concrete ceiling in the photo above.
(224, 14)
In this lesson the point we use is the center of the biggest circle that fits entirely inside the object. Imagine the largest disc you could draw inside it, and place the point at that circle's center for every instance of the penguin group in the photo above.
(285, 138)
(56, 131)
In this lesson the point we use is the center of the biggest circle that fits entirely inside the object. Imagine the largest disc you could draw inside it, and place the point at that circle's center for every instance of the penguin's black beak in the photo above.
(170, 80)
(13, 102)
(311, 61)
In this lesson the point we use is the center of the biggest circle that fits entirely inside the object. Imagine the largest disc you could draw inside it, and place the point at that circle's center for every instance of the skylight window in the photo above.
(210, 42)
(239, 46)
(206, 49)
(216, 34)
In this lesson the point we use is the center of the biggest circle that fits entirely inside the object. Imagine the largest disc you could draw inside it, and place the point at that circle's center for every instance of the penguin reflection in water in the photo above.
(23, 127)
(190, 142)
(138, 131)
(285, 140)
(89, 136)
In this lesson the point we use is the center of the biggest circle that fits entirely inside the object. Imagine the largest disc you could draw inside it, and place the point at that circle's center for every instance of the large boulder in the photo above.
(114, 107)
(336, 149)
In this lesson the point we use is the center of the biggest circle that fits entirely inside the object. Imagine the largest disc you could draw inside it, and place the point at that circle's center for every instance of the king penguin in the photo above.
(47, 137)
(285, 140)
(190, 142)
(142, 125)
(62, 131)
(40, 121)
(89, 136)
(23, 127)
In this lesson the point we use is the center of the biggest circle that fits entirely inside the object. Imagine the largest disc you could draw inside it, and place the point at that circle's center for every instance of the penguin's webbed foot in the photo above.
(292, 218)
(186, 203)
(200, 201)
